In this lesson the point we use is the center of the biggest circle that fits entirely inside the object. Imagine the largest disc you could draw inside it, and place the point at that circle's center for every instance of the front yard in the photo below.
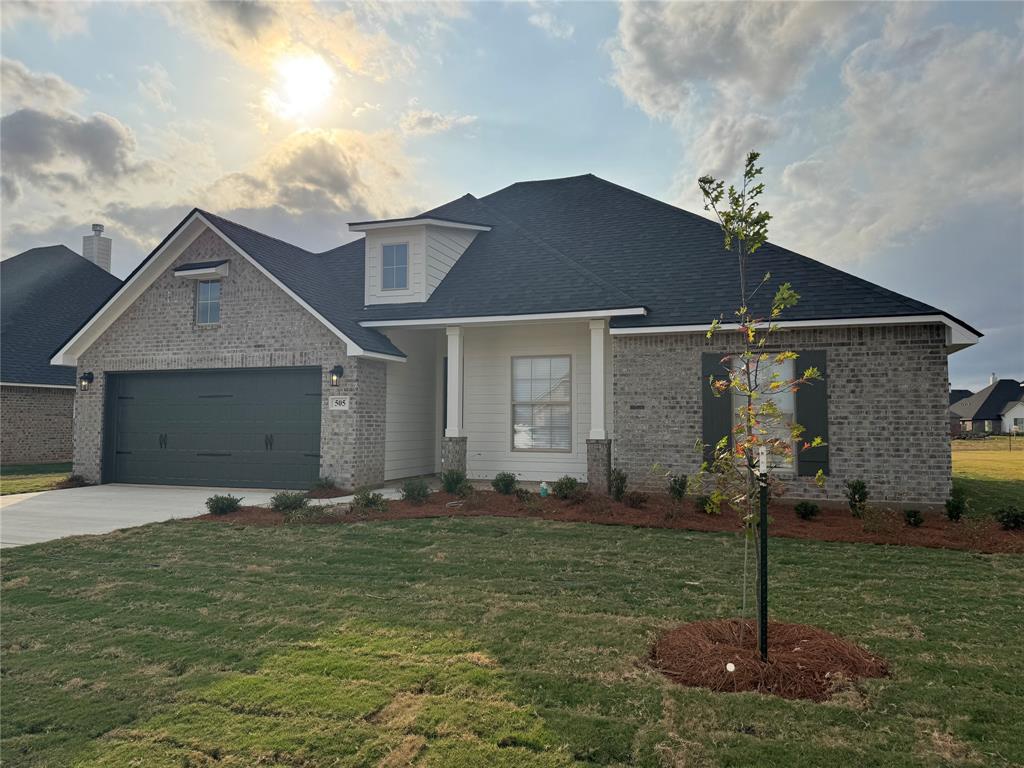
(27, 478)
(484, 641)
(991, 471)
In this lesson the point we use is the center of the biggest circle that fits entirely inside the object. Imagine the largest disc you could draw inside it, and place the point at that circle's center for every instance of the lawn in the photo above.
(990, 471)
(484, 642)
(26, 478)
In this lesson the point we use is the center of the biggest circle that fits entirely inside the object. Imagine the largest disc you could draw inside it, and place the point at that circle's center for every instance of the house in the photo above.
(550, 328)
(47, 293)
(955, 396)
(996, 409)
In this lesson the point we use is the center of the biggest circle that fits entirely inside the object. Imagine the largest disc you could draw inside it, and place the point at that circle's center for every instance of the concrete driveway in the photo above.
(27, 518)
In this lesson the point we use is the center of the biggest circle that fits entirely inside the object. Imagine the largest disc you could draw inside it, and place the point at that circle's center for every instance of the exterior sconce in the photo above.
(336, 373)
(85, 380)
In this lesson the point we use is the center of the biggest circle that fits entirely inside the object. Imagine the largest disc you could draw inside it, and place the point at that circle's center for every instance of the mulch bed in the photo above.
(832, 524)
(803, 662)
(328, 493)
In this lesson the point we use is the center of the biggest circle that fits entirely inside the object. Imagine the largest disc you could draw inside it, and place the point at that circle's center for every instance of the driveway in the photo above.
(27, 518)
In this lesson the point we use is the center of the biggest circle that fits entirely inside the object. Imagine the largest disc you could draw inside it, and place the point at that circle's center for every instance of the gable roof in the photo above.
(990, 402)
(45, 294)
(956, 395)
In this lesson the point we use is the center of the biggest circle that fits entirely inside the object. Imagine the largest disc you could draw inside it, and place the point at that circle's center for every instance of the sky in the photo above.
(892, 135)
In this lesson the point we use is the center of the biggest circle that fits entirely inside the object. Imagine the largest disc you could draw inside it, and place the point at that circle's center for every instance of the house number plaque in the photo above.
(338, 402)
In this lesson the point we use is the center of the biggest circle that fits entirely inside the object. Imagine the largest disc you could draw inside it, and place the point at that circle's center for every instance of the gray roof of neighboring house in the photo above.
(45, 295)
(956, 395)
(988, 404)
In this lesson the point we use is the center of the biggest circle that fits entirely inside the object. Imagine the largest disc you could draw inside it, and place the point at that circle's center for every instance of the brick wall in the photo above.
(887, 400)
(35, 424)
(260, 326)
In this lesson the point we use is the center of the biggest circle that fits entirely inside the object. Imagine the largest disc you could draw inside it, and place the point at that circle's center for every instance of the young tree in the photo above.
(756, 375)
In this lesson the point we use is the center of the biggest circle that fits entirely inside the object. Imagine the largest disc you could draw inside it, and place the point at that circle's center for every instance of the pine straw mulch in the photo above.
(803, 662)
(832, 524)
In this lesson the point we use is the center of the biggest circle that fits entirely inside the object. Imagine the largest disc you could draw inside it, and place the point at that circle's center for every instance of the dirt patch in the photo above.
(660, 511)
(328, 493)
(803, 662)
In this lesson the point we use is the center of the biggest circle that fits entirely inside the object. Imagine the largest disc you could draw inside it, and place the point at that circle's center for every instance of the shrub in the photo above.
(73, 481)
(635, 499)
(1011, 518)
(288, 501)
(807, 510)
(505, 482)
(415, 491)
(565, 487)
(913, 517)
(325, 484)
(617, 484)
(522, 494)
(677, 487)
(223, 505)
(452, 480)
(703, 504)
(857, 496)
(957, 504)
(366, 500)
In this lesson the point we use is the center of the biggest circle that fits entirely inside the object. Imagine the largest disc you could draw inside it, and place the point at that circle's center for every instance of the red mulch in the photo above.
(832, 524)
(328, 493)
(803, 662)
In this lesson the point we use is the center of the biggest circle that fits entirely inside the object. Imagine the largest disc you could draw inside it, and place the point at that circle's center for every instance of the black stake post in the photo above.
(762, 576)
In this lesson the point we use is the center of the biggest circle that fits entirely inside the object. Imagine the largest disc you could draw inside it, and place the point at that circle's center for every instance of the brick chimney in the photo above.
(96, 247)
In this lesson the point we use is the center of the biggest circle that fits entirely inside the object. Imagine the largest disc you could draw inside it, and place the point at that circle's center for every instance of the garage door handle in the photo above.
(122, 453)
(162, 440)
(270, 442)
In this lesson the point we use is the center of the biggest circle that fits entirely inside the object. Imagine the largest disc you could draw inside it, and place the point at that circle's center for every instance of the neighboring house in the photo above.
(955, 396)
(550, 328)
(991, 410)
(1013, 417)
(46, 294)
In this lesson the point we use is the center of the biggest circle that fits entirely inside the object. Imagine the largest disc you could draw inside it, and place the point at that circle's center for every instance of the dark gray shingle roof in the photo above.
(989, 403)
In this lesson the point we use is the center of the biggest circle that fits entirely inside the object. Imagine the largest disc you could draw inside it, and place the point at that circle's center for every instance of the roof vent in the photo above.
(992, 379)
(96, 248)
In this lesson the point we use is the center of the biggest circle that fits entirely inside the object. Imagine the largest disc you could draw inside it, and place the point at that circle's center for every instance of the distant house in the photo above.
(955, 396)
(996, 409)
(45, 294)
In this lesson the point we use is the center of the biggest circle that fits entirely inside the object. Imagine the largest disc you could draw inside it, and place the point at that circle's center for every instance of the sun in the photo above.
(302, 85)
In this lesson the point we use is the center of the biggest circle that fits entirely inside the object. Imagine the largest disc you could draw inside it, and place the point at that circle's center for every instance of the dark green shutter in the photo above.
(812, 414)
(717, 411)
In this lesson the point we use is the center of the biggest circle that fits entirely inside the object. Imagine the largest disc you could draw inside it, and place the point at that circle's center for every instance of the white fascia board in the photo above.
(37, 386)
(218, 271)
(400, 223)
(960, 335)
(441, 322)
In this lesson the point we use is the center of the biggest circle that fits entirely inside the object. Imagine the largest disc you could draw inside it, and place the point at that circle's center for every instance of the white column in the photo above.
(454, 426)
(597, 365)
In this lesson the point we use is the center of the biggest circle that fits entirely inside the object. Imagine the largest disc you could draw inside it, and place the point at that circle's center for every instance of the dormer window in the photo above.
(395, 267)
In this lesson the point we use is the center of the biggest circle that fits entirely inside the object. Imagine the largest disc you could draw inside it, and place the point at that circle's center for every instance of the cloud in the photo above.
(60, 19)
(21, 87)
(424, 121)
(551, 25)
(155, 86)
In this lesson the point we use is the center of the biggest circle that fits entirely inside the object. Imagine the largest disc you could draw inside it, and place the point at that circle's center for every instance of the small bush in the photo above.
(288, 501)
(505, 483)
(957, 504)
(522, 494)
(617, 484)
(913, 517)
(325, 484)
(807, 510)
(415, 491)
(703, 504)
(452, 480)
(677, 487)
(223, 505)
(635, 499)
(1011, 518)
(565, 487)
(857, 496)
(366, 500)
(73, 481)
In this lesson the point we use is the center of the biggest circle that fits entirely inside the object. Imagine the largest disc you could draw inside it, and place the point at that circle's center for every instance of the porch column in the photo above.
(599, 447)
(453, 447)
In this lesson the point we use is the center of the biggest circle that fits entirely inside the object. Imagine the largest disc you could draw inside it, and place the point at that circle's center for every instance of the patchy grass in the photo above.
(484, 642)
(26, 478)
(991, 473)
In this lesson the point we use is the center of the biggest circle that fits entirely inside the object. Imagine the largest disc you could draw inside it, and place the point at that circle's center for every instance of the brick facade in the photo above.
(260, 326)
(35, 424)
(887, 408)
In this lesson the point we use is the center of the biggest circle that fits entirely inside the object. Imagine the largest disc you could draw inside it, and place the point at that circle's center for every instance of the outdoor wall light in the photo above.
(336, 373)
(85, 381)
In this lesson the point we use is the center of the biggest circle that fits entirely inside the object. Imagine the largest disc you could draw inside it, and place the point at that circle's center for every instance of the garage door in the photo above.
(257, 428)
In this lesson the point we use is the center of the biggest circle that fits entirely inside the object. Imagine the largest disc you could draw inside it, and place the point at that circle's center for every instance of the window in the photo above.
(208, 302)
(1018, 424)
(395, 267)
(541, 404)
(784, 400)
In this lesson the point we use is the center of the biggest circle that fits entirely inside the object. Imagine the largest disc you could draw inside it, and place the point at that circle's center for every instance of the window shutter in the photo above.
(812, 413)
(717, 411)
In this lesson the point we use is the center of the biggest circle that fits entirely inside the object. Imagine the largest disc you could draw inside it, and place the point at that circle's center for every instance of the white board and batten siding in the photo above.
(412, 423)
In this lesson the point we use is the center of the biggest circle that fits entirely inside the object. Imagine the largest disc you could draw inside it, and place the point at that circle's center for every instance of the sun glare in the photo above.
(302, 86)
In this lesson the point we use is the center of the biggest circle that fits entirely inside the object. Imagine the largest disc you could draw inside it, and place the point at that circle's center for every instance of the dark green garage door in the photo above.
(257, 428)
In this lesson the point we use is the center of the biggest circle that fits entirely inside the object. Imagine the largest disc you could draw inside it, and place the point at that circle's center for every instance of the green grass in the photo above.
(990, 472)
(26, 478)
(483, 642)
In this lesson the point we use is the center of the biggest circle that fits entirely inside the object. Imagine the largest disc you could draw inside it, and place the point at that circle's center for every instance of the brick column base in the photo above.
(599, 465)
(453, 453)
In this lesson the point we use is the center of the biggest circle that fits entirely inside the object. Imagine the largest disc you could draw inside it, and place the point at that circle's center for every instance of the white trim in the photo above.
(382, 356)
(38, 386)
(221, 270)
(597, 393)
(456, 347)
(398, 223)
(962, 336)
(440, 322)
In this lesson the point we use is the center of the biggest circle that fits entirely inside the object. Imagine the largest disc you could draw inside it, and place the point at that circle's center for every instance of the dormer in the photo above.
(406, 259)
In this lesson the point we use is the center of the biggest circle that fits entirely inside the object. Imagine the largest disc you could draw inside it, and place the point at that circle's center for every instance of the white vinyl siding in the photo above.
(444, 247)
(431, 252)
(412, 421)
